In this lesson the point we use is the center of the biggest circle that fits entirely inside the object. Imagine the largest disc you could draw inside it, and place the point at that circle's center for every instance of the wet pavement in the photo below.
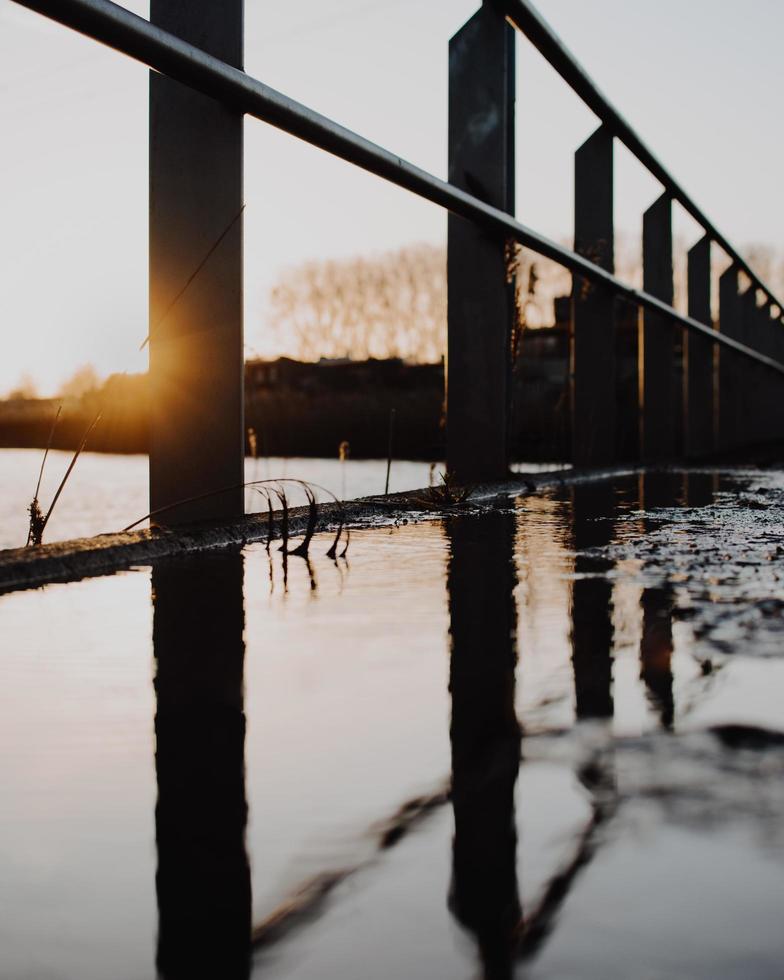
(542, 738)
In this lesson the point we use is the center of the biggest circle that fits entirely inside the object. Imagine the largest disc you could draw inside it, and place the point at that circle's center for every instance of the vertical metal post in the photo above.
(776, 347)
(771, 383)
(627, 381)
(592, 347)
(769, 391)
(196, 346)
(753, 376)
(698, 356)
(659, 404)
(480, 301)
(729, 375)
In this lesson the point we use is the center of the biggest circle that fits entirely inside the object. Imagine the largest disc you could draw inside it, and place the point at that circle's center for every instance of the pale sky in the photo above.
(700, 80)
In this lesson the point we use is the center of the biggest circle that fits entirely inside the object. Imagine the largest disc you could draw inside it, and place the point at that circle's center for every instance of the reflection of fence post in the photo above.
(203, 878)
(592, 625)
(662, 489)
(196, 350)
(484, 733)
(698, 356)
(592, 348)
(656, 650)
(480, 302)
(729, 376)
(659, 410)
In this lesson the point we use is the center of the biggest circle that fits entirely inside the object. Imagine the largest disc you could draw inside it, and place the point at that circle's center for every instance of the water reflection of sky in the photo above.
(407, 666)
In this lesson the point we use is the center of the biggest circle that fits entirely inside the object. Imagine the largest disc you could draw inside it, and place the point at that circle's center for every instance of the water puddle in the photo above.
(542, 741)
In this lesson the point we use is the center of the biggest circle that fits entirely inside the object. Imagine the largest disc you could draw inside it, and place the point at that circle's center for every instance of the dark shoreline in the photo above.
(294, 408)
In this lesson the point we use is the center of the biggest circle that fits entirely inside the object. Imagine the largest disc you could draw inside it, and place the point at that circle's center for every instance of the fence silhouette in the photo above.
(700, 388)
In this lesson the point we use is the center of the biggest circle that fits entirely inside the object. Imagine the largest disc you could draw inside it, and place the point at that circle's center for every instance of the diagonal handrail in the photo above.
(117, 27)
(527, 19)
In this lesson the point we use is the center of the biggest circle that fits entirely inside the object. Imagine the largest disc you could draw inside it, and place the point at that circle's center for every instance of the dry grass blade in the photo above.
(263, 492)
(235, 486)
(190, 279)
(447, 494)
(450, 492)
(307, 485)
(302, 549)
(68, 472)
(270, 521)
(345, 546)
(284, 521)
(333, 551)
(55, 420)
(36, 528)
(311, 574)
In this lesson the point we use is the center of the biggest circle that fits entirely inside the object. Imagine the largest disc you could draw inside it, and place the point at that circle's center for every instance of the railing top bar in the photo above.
(530, 22)
(126, 32)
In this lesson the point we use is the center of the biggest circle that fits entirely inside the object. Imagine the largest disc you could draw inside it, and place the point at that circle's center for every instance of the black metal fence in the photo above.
(699, 389)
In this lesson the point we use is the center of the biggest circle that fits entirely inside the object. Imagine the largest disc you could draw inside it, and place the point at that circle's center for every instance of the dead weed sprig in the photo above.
(284, 521)
(302, 548)
(267, 488)
(448, 493)
(39, 520)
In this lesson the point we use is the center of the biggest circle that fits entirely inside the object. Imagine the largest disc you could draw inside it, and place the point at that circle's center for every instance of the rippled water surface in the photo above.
(544, 739)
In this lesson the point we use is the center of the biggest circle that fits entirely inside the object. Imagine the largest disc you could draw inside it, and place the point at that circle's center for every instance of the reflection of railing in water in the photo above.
(656, 643)
(592, 628)
(198, 630)
(485, 734)
(656, 650)
(203, 878)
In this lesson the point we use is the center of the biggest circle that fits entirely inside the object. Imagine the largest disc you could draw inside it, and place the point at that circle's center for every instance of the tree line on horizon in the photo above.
(394, 304)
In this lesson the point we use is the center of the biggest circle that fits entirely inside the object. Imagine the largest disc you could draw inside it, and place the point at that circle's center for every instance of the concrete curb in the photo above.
(65, 561)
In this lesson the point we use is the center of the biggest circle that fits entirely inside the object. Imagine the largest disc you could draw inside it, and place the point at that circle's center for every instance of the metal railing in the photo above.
(527, 19)
(172, 56)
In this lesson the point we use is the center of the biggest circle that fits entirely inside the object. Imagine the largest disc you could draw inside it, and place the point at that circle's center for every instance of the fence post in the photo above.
(627, 381)
(764, 345)
(698, 355)
(753, 376)
(771, 383)
(729, 375)
(592, 347)
(660, 414)
(480, 301)
(196, 346)
(777, 344)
